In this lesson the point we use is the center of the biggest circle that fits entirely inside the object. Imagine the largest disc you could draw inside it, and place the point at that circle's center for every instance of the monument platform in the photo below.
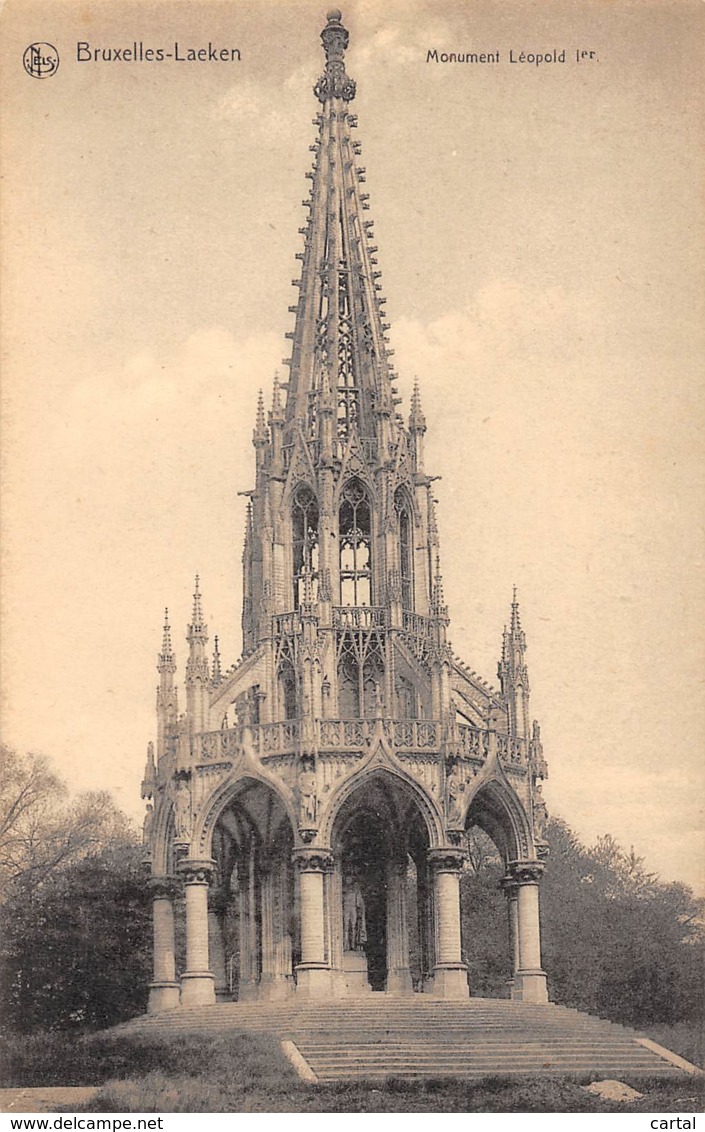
(379, 1036)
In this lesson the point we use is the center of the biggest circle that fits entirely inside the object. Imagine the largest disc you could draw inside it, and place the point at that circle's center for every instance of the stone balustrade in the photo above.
(404, 735)
(359, 617)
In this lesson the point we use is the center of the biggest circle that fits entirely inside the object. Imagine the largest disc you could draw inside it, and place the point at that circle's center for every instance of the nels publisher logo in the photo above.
(41, 60)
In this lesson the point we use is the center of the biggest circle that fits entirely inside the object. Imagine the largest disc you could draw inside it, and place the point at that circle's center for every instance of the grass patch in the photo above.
(684, 1038)
(60, 1059)
(159, 1093)
(234, 1072)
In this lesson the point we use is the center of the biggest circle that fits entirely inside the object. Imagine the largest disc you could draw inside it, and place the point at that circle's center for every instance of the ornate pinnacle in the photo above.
(276, 414)
(439, 606)
(217, 674)
(150, 774)
(515, 623)
(166, 661)
(197, 615)
(260, 436)
(335, 83)
(417, 421)
(197, 666)
(166, 638)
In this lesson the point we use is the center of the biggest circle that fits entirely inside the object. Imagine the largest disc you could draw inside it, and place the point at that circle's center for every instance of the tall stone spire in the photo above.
(338, 339)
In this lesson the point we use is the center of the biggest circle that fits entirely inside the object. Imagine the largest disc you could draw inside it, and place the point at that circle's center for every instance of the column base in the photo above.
(530, 986)
(313, 982)
(163, 996)
(399, 982)
(197, 988)
(451, 982)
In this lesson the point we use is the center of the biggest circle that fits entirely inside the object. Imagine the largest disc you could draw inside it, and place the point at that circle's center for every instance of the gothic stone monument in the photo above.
(309, 806)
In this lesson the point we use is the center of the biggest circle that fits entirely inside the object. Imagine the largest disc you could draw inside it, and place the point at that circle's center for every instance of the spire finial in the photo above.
(335, 83)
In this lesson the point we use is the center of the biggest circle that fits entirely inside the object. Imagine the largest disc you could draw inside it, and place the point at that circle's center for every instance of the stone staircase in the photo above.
(379, 1036)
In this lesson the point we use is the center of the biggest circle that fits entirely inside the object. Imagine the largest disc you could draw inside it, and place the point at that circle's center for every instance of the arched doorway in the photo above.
(484, 917)
(252, 902)
(381, 920)
(501, 945)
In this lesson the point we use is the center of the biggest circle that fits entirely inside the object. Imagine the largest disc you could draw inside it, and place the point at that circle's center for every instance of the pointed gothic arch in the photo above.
(252, 923)
(305, 538)
(495, 807)
(432, 819)
(405, 530)
(381, 907)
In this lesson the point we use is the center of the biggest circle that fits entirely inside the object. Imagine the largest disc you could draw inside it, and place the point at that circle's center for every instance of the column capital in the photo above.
(196, 871)
(163, 887)
(309, 859)
(448, 859)
(525, 872)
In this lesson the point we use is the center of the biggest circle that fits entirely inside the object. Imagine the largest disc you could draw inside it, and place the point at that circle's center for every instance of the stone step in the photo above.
(378, 1036)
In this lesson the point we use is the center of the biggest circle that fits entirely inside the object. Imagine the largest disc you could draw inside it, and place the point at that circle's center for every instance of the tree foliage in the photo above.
(74, 951)
(616, 941)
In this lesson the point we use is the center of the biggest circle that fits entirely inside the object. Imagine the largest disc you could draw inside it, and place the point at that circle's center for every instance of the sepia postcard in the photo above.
(369, 343)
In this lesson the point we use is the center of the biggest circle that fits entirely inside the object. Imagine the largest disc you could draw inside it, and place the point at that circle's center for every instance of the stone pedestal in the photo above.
(353, 977)
(449, 973)
(529, 978)
(164, 989)
(275, 988)
(313, 973)
(197, 981)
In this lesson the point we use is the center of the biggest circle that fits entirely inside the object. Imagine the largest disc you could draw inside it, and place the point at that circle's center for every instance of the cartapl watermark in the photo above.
(41, 60)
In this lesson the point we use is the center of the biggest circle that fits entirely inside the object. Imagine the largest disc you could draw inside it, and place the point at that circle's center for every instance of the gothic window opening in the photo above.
(406, 698)
(373, 685)
(348, 685)
(360, 675)
(286, 679)
(355, 526)
(304, 515)
(406, 558)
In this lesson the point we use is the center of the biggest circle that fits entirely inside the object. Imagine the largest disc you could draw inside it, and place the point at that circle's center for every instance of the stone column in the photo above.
(313, 973)
(450, 975)
(216, 946)
(398, 973)
(274, 983)
(426, 930)
(164, 990)
(509, 887)
(529, 978)
(197, 982)
(248, 984)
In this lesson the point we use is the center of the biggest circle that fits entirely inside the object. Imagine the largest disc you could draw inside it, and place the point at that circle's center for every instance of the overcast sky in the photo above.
(539, 230)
